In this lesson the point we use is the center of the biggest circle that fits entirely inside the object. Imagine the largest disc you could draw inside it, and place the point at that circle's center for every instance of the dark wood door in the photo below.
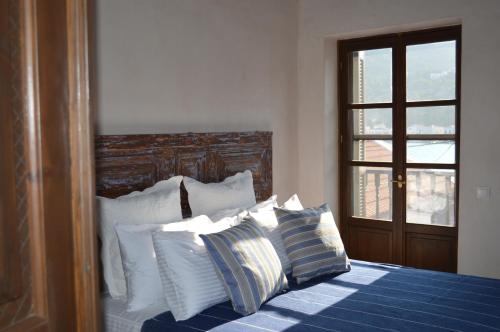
(47, 239)
(399, 144)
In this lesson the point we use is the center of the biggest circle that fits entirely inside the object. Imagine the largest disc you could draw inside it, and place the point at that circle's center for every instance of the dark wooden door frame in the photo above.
(50, 52)
(81, 108)
(399, 227)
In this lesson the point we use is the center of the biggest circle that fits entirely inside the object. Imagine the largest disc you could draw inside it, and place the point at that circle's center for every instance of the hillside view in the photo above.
(430, 75)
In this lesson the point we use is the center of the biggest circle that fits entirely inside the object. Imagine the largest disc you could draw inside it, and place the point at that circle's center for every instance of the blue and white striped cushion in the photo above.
(312, 242)
(247, 264)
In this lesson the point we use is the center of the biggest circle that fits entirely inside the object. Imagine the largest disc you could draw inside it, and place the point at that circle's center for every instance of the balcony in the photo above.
(430, 195)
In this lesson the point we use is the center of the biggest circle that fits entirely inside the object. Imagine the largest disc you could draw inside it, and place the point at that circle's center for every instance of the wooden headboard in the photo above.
(125, 163)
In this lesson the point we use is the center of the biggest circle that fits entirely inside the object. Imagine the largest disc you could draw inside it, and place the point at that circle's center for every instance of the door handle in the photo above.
(399, 181)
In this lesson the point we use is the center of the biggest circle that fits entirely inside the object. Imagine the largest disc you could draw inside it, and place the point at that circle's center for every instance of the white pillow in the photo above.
(268, 204)
(230, 213)
(293, 203)
(144, 287)
(208, 198)
(139, 266)
(238, 214)
(158, 186)
(189, 280)
(157, 205)
(267, 220)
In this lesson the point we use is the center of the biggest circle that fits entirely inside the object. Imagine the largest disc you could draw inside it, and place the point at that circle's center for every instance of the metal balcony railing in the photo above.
(430, 196)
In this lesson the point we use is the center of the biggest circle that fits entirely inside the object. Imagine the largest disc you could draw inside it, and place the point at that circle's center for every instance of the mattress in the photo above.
(372, 297)
(117, 319)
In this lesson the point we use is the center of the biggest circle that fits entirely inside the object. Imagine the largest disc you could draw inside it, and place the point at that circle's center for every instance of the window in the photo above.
(399, 115)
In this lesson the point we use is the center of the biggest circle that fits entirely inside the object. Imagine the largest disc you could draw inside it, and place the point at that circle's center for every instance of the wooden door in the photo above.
(47, 239)
(399, 142)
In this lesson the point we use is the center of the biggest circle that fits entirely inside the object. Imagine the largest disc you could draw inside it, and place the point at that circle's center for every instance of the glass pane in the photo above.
(430, 196)
(430, 71)
(370, 76)
(372, 192)
(372, 150)
(439, 152)
(430, 120)
(377, 121)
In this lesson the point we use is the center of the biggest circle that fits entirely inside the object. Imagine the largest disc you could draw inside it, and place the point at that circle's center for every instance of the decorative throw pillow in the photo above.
(159, 204)
(140, 265)
(190, 283)
(209, 198)
(247, 264)
(312, 242)
(266, 219)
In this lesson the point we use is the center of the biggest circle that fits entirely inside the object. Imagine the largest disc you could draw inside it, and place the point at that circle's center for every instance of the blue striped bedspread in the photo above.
(371, 297)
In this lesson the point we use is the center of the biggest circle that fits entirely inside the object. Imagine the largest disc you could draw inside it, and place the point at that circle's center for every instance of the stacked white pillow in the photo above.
(190, 284)
(163, 259)
(238, 214)
(144, 287)
(157, 205)
(235, 192)
(189, 280)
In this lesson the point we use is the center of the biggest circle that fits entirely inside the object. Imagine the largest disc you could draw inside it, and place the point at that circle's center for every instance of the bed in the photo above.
(369, 297)
(116, 318)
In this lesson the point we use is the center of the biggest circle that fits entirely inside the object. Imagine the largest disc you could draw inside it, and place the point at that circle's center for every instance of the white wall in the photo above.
(221, 65)
(323, 22)
(192, 65)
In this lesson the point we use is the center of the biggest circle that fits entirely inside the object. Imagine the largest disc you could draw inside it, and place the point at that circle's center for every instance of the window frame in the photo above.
(399, 104)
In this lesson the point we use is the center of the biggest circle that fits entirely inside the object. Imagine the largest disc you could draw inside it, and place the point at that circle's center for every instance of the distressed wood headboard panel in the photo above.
(125, 163)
